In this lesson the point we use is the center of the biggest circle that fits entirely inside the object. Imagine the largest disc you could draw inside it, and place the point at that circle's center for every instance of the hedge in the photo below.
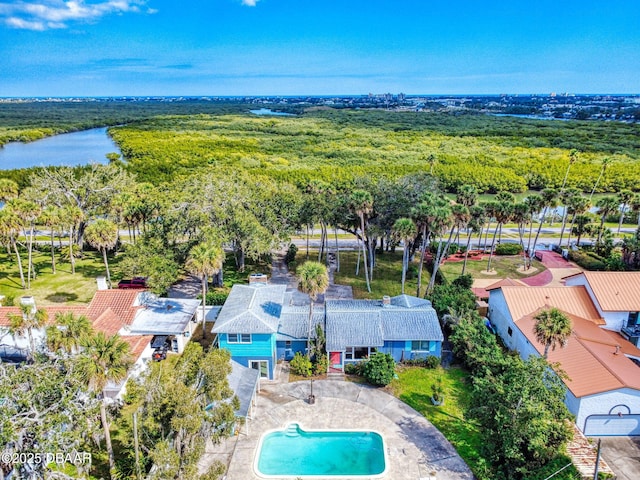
(586, 261)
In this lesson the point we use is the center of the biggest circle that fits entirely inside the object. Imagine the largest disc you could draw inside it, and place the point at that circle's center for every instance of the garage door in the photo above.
(612, 425)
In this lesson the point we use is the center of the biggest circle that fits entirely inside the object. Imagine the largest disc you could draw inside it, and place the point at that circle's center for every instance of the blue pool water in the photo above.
(298, 453)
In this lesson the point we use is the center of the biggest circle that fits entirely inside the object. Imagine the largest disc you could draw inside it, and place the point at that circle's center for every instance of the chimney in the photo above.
(102, 283)
(386, 301)
(258, 279)
(30, 301)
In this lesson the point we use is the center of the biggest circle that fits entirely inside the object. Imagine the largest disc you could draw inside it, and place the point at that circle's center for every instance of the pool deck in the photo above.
(414, 446)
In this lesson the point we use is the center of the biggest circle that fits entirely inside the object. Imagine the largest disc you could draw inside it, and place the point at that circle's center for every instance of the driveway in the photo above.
(623, 456)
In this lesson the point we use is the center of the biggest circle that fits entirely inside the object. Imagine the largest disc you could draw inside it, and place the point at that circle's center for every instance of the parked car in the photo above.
(135, 282)
(161, 345)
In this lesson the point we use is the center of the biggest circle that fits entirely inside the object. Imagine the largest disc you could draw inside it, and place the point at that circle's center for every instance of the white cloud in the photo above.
(249, 3)
(48, 14)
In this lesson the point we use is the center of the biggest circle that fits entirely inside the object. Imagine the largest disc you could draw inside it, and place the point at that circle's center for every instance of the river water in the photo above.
(77, 148)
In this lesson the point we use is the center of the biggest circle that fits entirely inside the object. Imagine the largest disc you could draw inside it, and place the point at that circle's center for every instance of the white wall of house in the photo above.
(21, 341)
(603, 404)
(501, 318)
(615, 320)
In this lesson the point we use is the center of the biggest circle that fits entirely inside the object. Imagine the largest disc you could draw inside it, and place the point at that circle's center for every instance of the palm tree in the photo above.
(8, 189)
(578, 206)
(624, 198)
(30, 318)
(549, 200)
(476, 221)
(568, 197)
(503, 211)
(605, 164)
(50, 217)
(103, 360)
(552, 328)
(205, 260)
(28, 211)
(74, 216)
(573, 158)
(69, 332)
(103, 235)
(10, 225)
(581, 226)
(313, 279)
(442, 221)
(362, 205)
(606, 206)
(404, 229)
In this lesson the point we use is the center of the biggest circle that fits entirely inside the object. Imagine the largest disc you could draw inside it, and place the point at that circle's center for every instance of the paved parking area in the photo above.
(623, 456)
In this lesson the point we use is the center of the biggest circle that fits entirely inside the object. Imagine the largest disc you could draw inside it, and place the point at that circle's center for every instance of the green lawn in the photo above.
(504, 266)
(413, 386)
(50, 289)
(387, 275)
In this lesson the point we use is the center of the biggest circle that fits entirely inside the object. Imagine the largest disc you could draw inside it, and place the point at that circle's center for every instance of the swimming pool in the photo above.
(294, 452)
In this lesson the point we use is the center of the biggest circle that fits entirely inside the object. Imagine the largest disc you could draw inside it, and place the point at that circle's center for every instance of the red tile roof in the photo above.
(137, 343)
(51, 312)
(121, 302)
(594, 359)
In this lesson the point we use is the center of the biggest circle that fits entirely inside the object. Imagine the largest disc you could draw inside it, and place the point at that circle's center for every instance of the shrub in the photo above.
(216, 297)
(464, 281)
(301, 365)
(432, 362)
(353, 368)
(291, 254)
(379, 369)
(508, 249)
(587, 261)
(446, 297)
(321, 365)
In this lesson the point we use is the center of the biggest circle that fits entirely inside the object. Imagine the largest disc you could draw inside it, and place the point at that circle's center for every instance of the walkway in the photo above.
(414, 447)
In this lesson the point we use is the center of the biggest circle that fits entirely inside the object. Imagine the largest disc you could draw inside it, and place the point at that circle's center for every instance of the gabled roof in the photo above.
(137, 344)
(253, 308)
(574, 300)
(294, 322)
(371, 323)
(615, 291)
(243, 381)
(506, 282)
(590, 359)
(121, 302)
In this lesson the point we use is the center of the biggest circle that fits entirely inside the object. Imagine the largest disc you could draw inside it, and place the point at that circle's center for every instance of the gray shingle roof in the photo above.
(294, 322)
(354, 323)
(251, 308)
(243, 382)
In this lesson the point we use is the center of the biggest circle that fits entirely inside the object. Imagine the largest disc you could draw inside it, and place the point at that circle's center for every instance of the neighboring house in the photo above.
(258, 326)
(616, 296)
(404, 326)
(603, 377)
(137, 316)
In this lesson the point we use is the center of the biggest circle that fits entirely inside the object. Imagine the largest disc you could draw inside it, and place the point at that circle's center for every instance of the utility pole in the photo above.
(135, 443)
(595, 473)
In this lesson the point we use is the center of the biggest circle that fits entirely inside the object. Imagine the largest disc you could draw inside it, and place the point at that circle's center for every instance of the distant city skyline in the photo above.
(331, 47)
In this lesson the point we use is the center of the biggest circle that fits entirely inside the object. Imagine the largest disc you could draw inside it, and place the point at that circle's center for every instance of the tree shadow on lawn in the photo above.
(61, 297)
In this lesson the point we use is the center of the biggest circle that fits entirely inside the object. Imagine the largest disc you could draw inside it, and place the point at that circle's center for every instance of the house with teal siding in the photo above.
(248, 323)
(404, 326)
(259, 325)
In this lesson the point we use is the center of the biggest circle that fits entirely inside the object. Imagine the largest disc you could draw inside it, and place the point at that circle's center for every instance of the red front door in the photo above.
(335, 362)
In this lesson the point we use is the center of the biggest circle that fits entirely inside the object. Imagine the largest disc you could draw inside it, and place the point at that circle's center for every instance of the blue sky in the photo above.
(317, 47)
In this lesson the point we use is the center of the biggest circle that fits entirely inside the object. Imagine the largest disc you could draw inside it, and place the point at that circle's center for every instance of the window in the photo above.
(509, 331)
(287, 344)
(632, 321)
(262, 366)
(358, 353)
(238, 337)
(420, 346)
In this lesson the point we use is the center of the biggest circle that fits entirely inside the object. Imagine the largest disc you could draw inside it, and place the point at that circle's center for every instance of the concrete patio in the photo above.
(414, 447)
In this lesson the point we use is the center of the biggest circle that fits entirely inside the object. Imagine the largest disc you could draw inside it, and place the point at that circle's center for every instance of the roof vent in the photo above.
(617, 352)
(386, 300)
